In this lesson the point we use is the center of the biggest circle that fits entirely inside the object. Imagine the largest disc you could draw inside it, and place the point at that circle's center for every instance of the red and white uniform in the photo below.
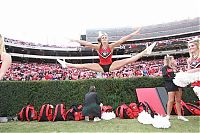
(195, 64)
(105, 56)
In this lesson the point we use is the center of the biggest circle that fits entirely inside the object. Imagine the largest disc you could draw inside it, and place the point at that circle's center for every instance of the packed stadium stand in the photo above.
(49, 71)
(33, 61)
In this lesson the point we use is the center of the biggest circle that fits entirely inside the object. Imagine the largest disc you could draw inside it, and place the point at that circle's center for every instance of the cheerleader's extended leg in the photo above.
(196, 90)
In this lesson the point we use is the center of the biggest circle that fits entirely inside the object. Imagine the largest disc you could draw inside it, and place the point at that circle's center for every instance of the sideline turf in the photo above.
(114, 125)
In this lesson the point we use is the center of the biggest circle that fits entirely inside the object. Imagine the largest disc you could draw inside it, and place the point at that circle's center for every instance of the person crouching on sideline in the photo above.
(5, 59)
(92, 105)
(172, 90)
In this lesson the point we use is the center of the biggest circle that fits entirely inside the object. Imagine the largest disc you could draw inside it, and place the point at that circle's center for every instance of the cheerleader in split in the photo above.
(174, 92)
(5, 59)
(105, 51)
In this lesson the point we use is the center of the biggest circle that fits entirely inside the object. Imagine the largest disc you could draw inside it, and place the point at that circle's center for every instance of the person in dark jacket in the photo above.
(92, 105)
(174, 92)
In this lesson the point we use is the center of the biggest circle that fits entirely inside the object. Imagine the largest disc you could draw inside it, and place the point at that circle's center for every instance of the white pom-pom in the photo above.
(113, 114)
(161, 122)
(106, 116)
(183, 79)
(145, 118)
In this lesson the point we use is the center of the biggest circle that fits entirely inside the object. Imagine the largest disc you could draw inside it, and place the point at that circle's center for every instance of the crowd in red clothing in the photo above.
(35, 71)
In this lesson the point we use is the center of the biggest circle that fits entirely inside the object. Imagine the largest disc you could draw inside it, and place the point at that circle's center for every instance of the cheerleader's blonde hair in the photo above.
(197, 43)
(168, 60)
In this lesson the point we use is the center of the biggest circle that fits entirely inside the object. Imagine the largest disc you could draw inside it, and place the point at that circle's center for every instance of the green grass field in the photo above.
(114, 125)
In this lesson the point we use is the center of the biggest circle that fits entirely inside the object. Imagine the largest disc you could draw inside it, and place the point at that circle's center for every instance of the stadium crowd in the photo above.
(34, 71)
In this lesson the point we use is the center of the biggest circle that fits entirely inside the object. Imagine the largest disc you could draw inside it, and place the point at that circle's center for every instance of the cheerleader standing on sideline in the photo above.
(174, 92)
(5, 59)
(194, 63)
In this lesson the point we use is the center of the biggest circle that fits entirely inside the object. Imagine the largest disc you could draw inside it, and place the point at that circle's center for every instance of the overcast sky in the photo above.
(56, 21)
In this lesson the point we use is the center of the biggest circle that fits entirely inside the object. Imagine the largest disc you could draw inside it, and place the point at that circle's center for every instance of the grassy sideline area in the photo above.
(114, 125)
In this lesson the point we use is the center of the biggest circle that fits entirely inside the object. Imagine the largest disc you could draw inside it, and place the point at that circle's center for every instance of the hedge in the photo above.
(16, 94)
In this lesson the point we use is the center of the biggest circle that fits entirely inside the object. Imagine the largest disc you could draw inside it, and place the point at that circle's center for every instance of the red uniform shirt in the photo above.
(105, 56)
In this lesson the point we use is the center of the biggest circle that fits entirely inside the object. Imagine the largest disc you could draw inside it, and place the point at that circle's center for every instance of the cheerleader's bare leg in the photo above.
(178, 97)
(170, 102)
